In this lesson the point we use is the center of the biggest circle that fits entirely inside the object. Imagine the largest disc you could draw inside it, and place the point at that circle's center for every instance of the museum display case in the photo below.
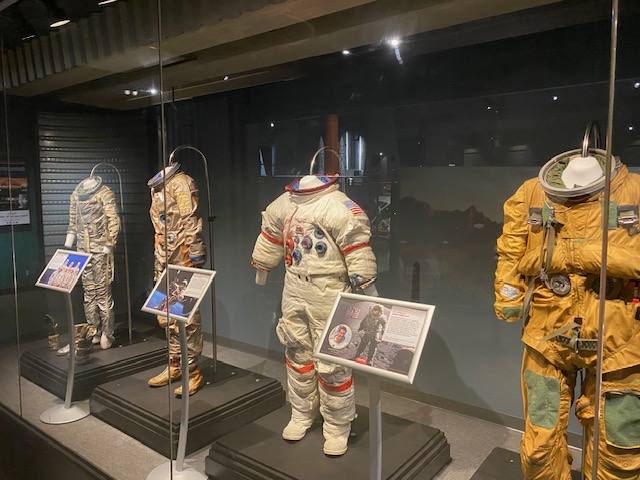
(147, 134)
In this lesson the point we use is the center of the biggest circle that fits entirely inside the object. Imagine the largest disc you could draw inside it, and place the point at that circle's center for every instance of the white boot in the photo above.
(297, 427)
(336, 438)
(105, 342)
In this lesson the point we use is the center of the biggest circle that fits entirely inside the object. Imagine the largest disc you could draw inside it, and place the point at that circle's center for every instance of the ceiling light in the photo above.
(272, 124)
(225, 78)
(106, 2)
(636, 85)
(127, 91)
(631, 128)
(60, 23)
(346, 52)
(555, 98)
(489, 107)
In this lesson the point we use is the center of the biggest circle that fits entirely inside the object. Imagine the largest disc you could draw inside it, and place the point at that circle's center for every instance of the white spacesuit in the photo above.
(324, 238)
(94, 224)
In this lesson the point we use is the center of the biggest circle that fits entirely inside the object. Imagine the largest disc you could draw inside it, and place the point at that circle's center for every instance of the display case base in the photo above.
(49, 371)
(504, 464)
(59, 414)
(230, 398)
(257, 451)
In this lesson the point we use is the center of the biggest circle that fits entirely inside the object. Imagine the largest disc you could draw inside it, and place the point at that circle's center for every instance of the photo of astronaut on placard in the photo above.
(63, 270)
(374, 332)
(185, 290)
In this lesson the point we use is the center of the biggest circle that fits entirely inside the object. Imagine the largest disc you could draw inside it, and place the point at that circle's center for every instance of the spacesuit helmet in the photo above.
(376, 310)
(163, 175)
(580, 172)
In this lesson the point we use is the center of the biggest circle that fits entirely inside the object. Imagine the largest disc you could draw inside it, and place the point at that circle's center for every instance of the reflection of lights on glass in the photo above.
(555, 98)
(60, 23)
(489, 107)
(393, 42)
(127, 91)
(346, 52)
(134, 93)
(381, 153)
(28, 37)
(272, 124)
(153, 91)
(225, 78)
(452, 164)
(631, 128)
(636, 85)
(106, 2)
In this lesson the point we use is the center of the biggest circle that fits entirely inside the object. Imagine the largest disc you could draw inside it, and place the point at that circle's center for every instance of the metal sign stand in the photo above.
(67, 412)
(375, 430)
(177, 469)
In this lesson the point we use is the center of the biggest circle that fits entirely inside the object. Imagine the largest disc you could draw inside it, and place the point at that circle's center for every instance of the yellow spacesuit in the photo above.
(94, 225)
(549, 259)
(324, 238)
(178, 216)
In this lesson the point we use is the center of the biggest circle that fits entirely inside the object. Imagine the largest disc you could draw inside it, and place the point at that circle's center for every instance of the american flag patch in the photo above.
(354, 207)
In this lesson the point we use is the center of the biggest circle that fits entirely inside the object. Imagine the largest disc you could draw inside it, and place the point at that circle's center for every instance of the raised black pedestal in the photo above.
(44, 368)
(504, 464)
(231, 398)
(257, 451)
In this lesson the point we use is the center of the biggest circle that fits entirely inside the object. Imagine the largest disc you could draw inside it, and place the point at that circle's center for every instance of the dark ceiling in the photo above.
(33, 17)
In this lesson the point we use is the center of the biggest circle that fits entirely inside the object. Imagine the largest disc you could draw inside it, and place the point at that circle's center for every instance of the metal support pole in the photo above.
(605, 239)
(375, 430)
(210, 218)
(126, 249)
(72, 352)
(68, 413)
(184, 417)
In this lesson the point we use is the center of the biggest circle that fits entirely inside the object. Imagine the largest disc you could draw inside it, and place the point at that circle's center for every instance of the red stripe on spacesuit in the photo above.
(335, 388)
(351, 248)
(271, 239)
(304, 369)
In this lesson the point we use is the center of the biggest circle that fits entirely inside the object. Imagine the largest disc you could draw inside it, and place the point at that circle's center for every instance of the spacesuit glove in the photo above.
(371, 290)
(71, 237)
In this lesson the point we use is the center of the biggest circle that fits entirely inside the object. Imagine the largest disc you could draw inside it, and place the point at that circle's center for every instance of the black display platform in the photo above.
(231, 398)
(48, 370)
(504, 464)
(257, 451)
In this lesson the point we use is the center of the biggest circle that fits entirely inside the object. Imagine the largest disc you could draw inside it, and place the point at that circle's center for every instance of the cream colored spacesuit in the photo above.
(182, 245)
(94, 225)
(549, 259)
(324, 239)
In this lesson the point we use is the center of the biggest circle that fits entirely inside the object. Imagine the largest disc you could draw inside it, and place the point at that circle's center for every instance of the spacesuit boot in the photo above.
(162, 378)
(336, 438)
(195, 381)
(84, 335)
(53, 338)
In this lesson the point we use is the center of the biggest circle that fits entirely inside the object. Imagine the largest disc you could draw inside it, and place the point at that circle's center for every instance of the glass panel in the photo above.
(13, 192)
(86, 128)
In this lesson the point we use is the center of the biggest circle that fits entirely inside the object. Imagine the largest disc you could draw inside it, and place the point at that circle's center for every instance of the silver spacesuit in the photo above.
(324, 238)
(94, 225)
(183, 245)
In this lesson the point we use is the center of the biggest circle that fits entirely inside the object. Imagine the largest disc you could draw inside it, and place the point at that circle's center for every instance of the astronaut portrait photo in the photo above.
(340, 336)
(63, 271)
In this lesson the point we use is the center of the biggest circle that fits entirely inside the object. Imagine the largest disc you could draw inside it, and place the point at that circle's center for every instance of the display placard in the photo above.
(380, 336)
(14, 193)
(63, 270)
(187, 287)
